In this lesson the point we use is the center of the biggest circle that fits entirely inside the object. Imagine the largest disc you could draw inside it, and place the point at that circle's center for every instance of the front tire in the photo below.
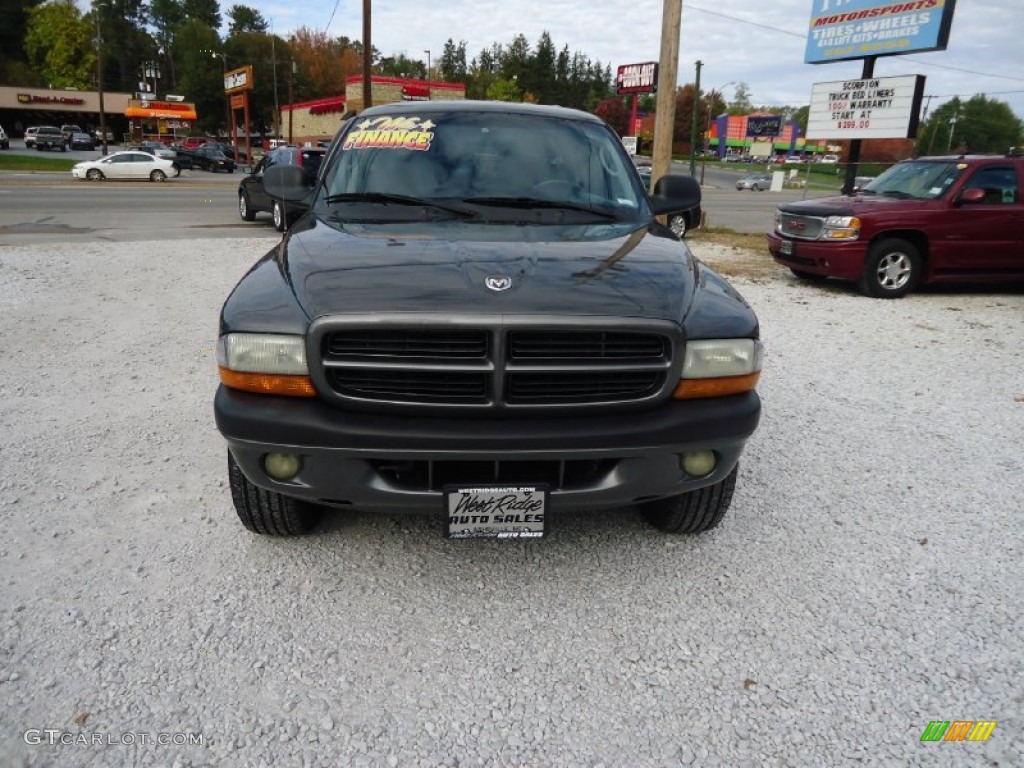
(693, 512)
(244, 209)
(158, 175)
(892, 269)
(267, 512)
(94, 174)
(280, 217)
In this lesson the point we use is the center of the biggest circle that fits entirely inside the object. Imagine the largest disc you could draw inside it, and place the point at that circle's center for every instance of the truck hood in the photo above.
(856, 205)
(596, 269)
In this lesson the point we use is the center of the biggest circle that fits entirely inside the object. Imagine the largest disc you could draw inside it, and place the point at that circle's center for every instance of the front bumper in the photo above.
(842, 259)
(394, 463)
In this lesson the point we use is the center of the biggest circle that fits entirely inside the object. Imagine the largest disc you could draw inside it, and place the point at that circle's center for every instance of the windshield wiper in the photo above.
(897, 193)
(385, 197)
(534, 202)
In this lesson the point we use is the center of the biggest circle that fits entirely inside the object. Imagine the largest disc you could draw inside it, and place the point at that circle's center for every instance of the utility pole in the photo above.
(367, 57)
(99, 77)
(277, 105)
(668, 67)
(952, 127)
(291, 101)
(693, 122)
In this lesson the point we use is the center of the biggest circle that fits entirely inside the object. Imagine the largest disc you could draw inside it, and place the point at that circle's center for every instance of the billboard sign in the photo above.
(238, 80)
(764, 125)
(872, 108)
(637, 78)
(853, 29)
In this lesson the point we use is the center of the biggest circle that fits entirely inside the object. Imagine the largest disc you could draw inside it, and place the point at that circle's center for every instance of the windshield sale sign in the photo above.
(854, 29)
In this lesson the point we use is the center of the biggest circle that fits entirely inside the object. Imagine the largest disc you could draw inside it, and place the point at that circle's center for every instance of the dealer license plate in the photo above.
(786, 248)
(495, 512)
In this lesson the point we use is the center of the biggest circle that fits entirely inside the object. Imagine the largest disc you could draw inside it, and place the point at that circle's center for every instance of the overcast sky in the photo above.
(753, 41)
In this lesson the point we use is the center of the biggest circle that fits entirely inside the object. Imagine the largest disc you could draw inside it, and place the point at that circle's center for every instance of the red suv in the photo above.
(925, 220)
(252, 197)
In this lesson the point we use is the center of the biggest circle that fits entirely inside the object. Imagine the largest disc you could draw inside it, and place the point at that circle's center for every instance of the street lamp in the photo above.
(428, 64)
(707, 140)
(227, 99)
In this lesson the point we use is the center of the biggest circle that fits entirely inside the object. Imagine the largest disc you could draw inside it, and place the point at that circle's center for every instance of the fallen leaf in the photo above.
(80, 718)
(1018, 399)
(923, 542)
(748, 683)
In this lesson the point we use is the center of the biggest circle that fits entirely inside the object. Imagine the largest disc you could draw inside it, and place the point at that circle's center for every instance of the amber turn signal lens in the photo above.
(689, 389)
(268, 383)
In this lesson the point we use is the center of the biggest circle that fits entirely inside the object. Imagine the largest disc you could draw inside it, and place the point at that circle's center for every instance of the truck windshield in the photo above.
(487, 157)
(921, 180)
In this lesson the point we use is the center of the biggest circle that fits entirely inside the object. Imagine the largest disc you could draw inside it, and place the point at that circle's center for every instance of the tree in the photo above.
(741, 103)
(318, 60)
(201, 74)
(14, 63)
(502, 89)
(245, 19)
(204, 11)
(978, 124)
(615, 112)
(59, 44)
(453, 62)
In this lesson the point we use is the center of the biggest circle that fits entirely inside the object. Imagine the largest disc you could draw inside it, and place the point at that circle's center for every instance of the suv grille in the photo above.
(491, 366)
(800, 227)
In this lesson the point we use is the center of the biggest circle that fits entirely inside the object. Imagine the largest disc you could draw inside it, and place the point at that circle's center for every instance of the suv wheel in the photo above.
(244, 210)
(677, 224)
(693, 512)
(892, 269)
(280, 217)
(267, 512)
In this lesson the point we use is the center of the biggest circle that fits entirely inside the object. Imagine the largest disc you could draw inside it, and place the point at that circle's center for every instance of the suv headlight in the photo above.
(841, 228)
(267, 363)
(719, 367)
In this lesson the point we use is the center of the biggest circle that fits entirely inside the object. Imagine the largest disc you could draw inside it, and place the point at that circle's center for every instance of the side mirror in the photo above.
(675, 193)
(972, 196)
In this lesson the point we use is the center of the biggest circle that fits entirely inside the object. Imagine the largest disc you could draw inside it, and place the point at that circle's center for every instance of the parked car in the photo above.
(829, 159)
(253, 197)
(229, 151)
(49, 137)
(925, 220)
(30, 137)
(68, 131)
(481, 319)
(80, 140)
(130, 164)
(758, 182)
(194, 142)
(98, 136)
(209, 158)
(5, 142)
(180, 160)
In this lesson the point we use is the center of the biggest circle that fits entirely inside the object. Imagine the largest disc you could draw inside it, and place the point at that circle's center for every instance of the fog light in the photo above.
(282, 466)
(698, 463)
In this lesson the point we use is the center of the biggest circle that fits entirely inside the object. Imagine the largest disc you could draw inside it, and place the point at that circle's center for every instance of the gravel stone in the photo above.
(867, 577)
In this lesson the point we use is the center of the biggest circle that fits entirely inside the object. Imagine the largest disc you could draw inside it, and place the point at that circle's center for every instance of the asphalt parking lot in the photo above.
(866, 581)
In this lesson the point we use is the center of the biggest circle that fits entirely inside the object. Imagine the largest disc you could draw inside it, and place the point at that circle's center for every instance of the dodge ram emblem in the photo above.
(498, 282)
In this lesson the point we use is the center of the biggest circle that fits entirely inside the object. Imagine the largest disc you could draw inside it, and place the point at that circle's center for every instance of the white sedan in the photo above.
(125, 165)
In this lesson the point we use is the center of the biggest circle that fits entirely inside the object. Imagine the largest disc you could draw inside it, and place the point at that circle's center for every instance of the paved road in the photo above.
(52, 207)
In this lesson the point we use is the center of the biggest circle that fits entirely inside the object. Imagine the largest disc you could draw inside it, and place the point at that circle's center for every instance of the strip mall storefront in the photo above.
(159, 120)
(22, 107)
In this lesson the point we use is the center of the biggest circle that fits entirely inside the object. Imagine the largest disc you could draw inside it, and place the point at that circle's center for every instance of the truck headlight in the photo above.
(267, 363)
(841, 228)
(719, 367)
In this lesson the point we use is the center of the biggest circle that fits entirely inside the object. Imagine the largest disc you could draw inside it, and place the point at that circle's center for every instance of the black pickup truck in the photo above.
(480, 318)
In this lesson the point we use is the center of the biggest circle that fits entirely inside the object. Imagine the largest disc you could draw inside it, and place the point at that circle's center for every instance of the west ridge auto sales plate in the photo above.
(495, 512)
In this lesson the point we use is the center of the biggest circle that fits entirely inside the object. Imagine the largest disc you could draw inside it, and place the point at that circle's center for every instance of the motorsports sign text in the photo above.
(853, 29)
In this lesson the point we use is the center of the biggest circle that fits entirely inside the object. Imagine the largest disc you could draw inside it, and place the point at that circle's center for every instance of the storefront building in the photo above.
(315, 121)
(154, 120)
(22, 107)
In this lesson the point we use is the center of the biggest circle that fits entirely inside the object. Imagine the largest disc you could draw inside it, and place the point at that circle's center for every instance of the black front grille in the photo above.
(492, 364)
(581, 387)
(585, 345)
(410, 386)
(406, 344)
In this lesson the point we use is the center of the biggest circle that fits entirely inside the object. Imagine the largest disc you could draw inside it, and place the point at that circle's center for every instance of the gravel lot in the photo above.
(866, 581)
